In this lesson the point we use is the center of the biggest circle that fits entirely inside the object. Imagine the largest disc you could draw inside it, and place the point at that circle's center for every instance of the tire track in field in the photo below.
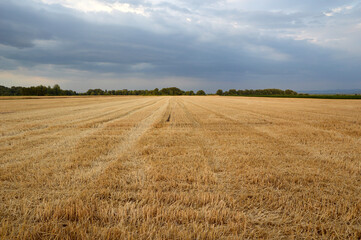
(39, 116)
(294, 121)
(350, 167)
(207, 145)
(335, 133)
(118, 196)
(38, 140)
(46, 151)
(237, 125)
(37, 134)
(149, 179)
(303, 153)
(167, 114)
(315, 173)
(127, 163)
(129, 139)
(195, 123)
(63, 183)
(210, 144)
(63, 120)
(182, 125)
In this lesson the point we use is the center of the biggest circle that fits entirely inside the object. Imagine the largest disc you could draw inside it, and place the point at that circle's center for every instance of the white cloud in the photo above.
(98, 6)
(125, 7)
(337, 10)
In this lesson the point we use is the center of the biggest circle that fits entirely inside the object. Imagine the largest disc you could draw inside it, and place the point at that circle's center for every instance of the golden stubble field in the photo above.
(180, 168)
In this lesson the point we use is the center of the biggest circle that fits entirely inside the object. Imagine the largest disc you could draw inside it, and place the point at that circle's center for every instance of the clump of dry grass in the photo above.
(180, 167)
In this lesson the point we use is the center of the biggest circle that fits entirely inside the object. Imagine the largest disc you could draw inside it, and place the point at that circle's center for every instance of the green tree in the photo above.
(56, 89)
(219, 92)
(171, 91)
(200, 92)
(232, 92)
(290, 92)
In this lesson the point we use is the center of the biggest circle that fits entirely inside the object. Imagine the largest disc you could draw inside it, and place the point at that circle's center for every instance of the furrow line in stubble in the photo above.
(83, 134)
(130, 139)
(316, 159)
(44, 128)
(59, 128)
(268, 119)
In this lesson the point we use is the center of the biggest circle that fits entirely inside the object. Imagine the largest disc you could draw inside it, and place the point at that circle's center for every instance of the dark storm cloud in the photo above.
(83, 45)
(213, 44)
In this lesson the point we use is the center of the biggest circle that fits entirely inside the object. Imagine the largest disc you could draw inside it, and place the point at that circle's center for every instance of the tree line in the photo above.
(57, 91)
(164, 91)
(174, 91)
(35, 91)
(257, 92)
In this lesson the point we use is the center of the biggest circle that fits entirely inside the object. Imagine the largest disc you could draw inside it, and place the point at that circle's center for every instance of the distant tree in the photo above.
(56, 90)
(16, 91)
(219, 92)
(200, 92)
(49, 91)
(5, 91)
(95, 92)
(240, 92)
(232, 92)
(171, 91)
(34, 91)
(290, 92)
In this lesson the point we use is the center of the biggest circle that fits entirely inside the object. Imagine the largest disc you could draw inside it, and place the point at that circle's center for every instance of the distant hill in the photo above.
(332, 91)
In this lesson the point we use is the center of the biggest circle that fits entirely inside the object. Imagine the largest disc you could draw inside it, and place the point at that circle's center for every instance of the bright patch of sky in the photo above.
(98, 6)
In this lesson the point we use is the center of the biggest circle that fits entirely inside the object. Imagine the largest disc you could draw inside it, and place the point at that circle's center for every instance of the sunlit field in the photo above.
(180, 168)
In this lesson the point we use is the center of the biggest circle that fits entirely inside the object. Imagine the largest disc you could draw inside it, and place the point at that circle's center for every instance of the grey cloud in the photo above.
(174, 7)
(14, 30)
(54, 35)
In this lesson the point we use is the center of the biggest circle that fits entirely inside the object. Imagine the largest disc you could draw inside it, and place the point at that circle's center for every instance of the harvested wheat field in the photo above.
(180, 168)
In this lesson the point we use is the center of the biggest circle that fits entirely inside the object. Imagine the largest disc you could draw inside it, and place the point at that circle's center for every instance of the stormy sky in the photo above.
(204, 44)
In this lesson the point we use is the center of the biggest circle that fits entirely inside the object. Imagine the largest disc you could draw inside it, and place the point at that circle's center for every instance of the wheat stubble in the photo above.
(180, 168)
